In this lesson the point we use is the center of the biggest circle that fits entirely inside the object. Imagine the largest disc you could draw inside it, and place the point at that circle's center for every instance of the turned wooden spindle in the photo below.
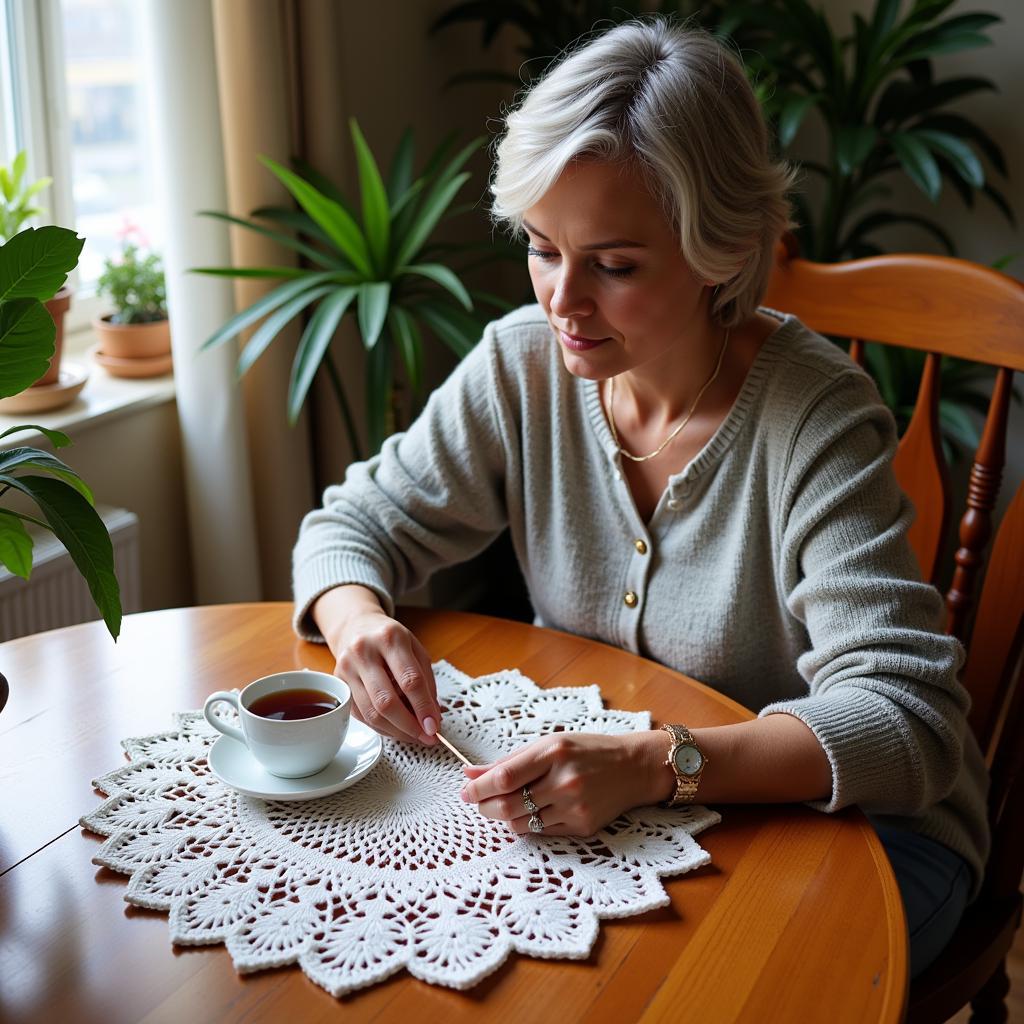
(982, 491)
(857, 351)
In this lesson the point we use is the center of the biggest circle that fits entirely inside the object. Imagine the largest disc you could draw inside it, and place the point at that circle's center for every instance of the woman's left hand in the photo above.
(580, 782)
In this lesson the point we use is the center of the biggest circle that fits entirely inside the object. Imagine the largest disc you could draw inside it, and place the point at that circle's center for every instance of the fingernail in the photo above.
(464, 794)
(429, 726)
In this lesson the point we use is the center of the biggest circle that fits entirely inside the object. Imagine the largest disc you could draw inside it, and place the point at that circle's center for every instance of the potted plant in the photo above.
(33, 267)
(16, 207)
(135, 339)
(384, 271)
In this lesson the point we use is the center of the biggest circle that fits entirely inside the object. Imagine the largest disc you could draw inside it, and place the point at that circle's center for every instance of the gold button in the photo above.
(630, 599)
(640, 546)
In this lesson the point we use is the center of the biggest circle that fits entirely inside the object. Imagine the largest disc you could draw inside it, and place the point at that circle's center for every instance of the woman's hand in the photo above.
(388, 671)
(580, 781)
(386, 668)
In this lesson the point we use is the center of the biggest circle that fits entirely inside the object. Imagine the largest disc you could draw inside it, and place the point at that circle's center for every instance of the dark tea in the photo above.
(291, 705)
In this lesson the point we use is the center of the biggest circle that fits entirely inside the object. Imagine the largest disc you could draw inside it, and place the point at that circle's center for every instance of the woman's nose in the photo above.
(570, 296)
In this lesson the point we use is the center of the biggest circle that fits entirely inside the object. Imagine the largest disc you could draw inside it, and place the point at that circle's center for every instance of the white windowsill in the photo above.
(102, 399)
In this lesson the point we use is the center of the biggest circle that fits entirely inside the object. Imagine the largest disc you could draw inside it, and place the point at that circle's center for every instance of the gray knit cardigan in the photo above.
(775, 567)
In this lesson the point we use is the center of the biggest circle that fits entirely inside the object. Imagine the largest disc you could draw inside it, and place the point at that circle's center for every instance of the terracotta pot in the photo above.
(57, 307)
(133, 341)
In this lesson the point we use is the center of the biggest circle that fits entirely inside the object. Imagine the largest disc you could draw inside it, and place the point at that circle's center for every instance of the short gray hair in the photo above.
(673, 102)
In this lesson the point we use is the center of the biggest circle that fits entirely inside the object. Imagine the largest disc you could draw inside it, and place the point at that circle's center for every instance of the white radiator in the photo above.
(55, 594)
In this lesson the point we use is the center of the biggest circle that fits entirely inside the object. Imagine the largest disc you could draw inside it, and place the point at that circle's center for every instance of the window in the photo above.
(76, 96)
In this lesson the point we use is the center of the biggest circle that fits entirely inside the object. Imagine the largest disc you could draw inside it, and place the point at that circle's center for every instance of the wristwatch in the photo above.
(687, 760)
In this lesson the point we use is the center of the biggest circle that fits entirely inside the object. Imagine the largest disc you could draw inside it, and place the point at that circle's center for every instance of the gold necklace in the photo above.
(664, 444)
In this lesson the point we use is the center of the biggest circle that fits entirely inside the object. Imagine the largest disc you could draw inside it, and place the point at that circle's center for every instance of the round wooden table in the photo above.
(797, 918)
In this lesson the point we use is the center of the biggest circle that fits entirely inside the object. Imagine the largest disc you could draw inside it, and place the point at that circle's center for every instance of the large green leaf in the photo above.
(956, 124)
(427, 216)
(918, 162)
(27, 335)
(297, 220)
(373, 309)
(441, 275)
(32, 458)
(15, 545)
(410, 345)
(322, 258)
(35, 263)
(956, 151)
(287, 273)
(376, 208)
(853, 143)
(322, 183)
(400, 175)
(450, 325)
(79, 528)
(264, 305)
(55, 437)
(330, 215)
(794, 109)
(275, 323)
(314, 344)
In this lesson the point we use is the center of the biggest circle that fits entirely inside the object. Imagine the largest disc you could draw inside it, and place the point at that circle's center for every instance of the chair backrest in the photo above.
(948, 307)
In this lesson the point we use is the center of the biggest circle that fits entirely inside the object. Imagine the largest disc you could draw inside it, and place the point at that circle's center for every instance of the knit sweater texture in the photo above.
(776, 570)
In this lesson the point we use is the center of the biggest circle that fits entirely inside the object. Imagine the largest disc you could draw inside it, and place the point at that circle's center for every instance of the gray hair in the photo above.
(674, 103)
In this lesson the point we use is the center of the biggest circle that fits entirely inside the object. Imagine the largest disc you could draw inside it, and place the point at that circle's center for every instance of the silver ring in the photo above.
(536, 825)
(531, 807)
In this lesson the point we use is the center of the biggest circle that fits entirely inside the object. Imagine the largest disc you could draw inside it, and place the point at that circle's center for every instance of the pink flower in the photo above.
(129, 228)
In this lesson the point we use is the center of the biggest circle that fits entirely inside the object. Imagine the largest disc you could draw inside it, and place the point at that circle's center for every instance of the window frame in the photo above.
(36, 98)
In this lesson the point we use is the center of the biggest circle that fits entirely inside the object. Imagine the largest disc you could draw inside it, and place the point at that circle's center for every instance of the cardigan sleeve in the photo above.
(432, 497)
(883, 697)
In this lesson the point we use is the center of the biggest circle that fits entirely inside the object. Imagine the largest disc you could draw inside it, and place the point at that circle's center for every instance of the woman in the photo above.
(685, 475)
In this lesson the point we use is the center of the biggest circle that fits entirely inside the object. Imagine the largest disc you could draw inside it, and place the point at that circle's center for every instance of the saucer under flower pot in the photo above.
(135, 366)
(133, 341)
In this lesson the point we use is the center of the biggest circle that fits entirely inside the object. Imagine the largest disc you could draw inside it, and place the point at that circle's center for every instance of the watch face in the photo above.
(689, 760)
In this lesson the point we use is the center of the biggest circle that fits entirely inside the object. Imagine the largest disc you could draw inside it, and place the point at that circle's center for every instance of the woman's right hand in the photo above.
(385, 666)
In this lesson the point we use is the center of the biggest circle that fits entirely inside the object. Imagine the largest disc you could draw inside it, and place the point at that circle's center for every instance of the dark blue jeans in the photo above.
(934, 883)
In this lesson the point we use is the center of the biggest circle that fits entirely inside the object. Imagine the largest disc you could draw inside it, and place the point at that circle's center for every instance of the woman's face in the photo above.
(606, 269)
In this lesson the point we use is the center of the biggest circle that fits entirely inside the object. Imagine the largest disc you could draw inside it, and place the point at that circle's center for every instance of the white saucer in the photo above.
(232, 763)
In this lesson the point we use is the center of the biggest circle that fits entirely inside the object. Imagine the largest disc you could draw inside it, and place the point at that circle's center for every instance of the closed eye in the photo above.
(541, 254)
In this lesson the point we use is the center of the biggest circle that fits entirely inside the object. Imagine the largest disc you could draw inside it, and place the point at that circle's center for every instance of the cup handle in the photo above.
(220, 726)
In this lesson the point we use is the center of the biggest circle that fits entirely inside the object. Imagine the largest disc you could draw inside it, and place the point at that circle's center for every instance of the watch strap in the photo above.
(686, 785)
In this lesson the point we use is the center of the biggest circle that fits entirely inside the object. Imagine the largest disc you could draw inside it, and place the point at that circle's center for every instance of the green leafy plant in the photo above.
(134, 281)
(33, 267)
(884, 112)
(16, 196)
(883, 109)
(381, 268)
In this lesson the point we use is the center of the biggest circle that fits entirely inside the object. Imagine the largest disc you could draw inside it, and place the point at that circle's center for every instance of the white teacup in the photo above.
(288, 749)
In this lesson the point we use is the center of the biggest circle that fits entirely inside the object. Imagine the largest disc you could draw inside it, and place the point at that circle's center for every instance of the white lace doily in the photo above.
(395, 871)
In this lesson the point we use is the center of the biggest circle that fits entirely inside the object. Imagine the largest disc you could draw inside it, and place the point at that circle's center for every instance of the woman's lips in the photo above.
(578, 344)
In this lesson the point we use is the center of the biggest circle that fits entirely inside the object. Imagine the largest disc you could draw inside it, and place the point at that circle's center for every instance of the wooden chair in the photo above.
(950, 307)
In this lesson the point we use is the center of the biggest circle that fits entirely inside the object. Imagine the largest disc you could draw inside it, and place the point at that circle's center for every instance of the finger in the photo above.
(521, 825)
(511, 807)
(388, 703)
(363, 712)
(509, 775)
(413, 685)
(428, 673)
